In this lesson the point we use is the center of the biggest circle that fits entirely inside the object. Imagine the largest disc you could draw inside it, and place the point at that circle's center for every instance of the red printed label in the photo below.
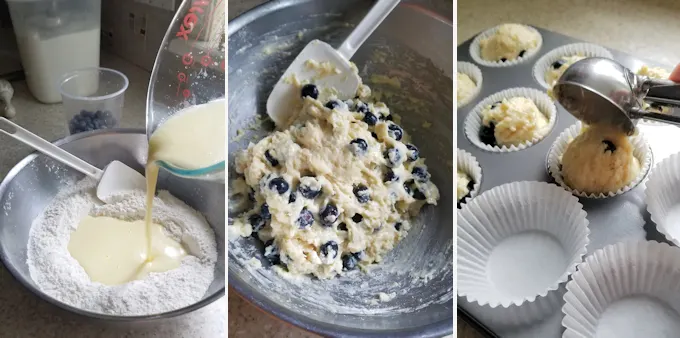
(190, 19)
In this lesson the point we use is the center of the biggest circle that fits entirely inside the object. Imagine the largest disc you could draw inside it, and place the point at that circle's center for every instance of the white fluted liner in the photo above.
(475, 74)
(662, 197)
(513, 316)
(641, 150)
(473, 122)
(477, 57)
(469, 165)
(644, 275)
(584, 49)
(552, 228)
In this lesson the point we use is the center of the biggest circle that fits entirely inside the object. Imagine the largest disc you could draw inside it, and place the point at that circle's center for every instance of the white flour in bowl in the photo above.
(59, 275)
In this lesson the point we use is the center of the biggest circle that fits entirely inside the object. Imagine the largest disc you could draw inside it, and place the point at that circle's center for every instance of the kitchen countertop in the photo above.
(23, 314)
(646, 29)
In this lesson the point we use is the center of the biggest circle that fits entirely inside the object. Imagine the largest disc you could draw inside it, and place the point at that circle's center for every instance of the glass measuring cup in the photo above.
(189, 71)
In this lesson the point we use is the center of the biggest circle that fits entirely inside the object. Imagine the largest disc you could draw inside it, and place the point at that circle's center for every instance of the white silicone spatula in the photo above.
(345, 81)
(116, 177)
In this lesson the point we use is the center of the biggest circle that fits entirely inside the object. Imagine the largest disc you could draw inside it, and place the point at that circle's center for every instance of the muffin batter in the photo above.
(558, 67)
(335, 190)
(465, 87)
(655, 73)
(599, 160)
(512, 122)
(464, 185)
(509, 42)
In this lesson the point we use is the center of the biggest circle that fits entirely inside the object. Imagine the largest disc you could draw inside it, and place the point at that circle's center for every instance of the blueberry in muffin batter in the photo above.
(340, 185)
(558, 67)
(599, 160)
(512, 121)
(464, 186)
(509, 42)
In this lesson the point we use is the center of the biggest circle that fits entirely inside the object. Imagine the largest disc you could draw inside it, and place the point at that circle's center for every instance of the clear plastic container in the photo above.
(189, 70)
(55, 37)
(93, 98)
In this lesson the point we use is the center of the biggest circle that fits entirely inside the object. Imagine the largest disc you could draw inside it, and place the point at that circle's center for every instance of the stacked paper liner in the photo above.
(477, 57)
(475, 74)
(473, 122)
(663, 197)
(626, 290)
(517, 243)
(469, 165)
(641, 151)
(583, 49)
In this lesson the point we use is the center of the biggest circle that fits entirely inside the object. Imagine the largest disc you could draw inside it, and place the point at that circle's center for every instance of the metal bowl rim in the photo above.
(436, 329)
(100, 316)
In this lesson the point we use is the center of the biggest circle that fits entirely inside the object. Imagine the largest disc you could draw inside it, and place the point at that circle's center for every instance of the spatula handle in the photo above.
(365, 28)
(36, 142)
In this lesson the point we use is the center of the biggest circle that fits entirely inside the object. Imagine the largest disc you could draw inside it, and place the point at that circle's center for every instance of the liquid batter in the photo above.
(114, 251)
(192, 139)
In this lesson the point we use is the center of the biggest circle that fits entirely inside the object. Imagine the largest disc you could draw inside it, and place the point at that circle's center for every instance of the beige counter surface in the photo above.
(646, 29)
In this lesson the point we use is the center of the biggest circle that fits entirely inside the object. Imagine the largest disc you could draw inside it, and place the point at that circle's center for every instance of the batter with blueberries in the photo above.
(334, 191)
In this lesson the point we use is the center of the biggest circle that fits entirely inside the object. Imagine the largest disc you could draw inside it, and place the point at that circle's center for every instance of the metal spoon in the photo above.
(600, 90)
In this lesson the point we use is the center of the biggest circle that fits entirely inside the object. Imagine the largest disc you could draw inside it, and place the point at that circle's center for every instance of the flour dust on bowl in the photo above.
(625, 290)
(37, 190)
(517, 244)
(410, 291)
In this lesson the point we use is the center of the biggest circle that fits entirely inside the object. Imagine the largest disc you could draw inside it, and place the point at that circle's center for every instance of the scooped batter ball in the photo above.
(508, 43)
(512, 122)
(599, 160)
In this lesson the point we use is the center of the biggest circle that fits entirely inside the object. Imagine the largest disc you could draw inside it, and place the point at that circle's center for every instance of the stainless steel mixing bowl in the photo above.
(31, 185)
(408, 62)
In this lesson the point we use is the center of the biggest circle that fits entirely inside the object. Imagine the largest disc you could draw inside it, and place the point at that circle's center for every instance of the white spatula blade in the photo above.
(345, 82)
(118, 178)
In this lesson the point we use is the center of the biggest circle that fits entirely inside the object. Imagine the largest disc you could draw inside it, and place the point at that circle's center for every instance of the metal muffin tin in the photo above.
(612, 220)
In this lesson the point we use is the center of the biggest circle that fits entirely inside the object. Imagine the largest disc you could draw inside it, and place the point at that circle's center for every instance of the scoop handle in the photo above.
(36, 142)
(365, 28)
(665, 92)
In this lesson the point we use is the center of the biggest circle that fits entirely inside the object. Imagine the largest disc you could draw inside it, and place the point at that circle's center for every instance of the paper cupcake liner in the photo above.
(641, 151)
(476, 56)
(517, 243)
(585, 49)
(514, 316)
(473, 122)
(636, 283)
(663, 197)
(469, 165)
(475, 74)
